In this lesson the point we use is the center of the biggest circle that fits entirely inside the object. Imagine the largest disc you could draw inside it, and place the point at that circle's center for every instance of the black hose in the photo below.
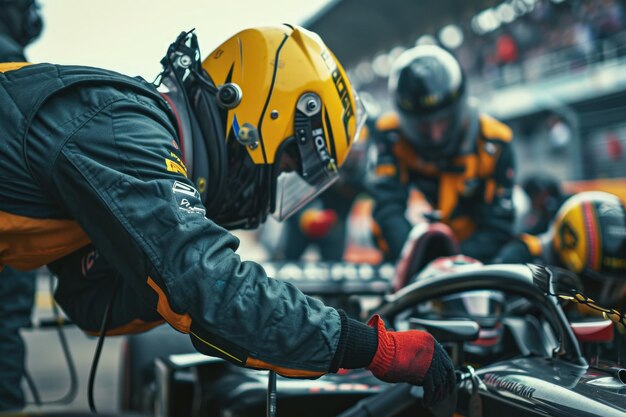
(33, 388)
(96, 356)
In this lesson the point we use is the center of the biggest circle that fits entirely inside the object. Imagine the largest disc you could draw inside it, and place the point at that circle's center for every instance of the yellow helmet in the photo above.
(289, 116)
(590, 235)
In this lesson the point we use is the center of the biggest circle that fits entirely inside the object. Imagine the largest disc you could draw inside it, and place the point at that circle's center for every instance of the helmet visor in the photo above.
(294, 189)
(306, 168)
(435, 130)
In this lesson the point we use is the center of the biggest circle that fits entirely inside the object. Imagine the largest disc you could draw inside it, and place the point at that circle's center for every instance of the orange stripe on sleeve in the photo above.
(288, 372)
(12, 66)
(181, 322)
(135, 326)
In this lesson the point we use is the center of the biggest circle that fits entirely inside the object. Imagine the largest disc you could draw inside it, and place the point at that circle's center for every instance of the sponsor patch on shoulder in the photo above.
(175, 165)
(188, 198)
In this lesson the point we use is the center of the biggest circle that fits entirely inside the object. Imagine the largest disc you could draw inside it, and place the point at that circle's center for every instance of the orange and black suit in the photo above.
(93, 185)
(472, 190)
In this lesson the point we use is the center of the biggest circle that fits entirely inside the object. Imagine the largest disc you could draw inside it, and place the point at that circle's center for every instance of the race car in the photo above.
(539, 370)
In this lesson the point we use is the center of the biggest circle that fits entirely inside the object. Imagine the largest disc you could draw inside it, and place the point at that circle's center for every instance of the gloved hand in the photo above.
(415, 357)
(316, 223)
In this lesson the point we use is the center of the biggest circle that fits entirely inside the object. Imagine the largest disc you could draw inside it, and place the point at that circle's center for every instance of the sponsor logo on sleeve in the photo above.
(175, 164)
(188, 198)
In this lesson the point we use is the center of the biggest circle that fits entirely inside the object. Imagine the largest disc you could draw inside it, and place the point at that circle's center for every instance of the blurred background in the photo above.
(553, 70)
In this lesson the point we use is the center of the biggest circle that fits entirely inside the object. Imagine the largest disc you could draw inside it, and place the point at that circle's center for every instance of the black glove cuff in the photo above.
(357, 344)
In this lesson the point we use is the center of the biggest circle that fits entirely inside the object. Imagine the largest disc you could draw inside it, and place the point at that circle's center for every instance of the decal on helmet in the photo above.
(322, 151)
(342, 90)
(236, 125)
(569, 238)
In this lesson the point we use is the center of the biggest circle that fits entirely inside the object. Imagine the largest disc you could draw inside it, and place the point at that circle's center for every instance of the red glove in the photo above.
(316, 224)
(415, 357)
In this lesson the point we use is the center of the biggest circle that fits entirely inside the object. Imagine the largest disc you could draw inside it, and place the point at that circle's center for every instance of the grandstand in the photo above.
(555, 70)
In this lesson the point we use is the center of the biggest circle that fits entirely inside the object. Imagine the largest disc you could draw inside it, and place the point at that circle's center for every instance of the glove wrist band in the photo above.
(357, 344)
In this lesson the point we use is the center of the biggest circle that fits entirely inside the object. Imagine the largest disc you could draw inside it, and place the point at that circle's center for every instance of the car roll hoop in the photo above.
(530, 281)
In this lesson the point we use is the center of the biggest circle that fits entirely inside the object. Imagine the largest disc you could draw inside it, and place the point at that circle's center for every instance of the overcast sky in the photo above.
(131, 36)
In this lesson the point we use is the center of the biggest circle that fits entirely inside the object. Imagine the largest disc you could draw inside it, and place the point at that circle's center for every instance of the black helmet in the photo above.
(427, 86)
(546, 196)
(20, 20)
(540, 186)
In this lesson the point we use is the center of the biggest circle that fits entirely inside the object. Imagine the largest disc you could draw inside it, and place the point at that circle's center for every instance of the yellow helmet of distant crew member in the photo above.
(289, 117)
(590, 235)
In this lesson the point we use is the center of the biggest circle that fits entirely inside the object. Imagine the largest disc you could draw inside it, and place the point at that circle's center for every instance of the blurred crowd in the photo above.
(552, 37)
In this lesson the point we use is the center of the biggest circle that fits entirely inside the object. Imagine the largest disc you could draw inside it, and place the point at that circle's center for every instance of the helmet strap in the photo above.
(309, 131)
(203, 136)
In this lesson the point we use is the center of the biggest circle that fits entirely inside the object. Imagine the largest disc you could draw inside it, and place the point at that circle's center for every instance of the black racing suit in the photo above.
(472, 191)
(17, 290)
(94, 185)
(10, 50)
